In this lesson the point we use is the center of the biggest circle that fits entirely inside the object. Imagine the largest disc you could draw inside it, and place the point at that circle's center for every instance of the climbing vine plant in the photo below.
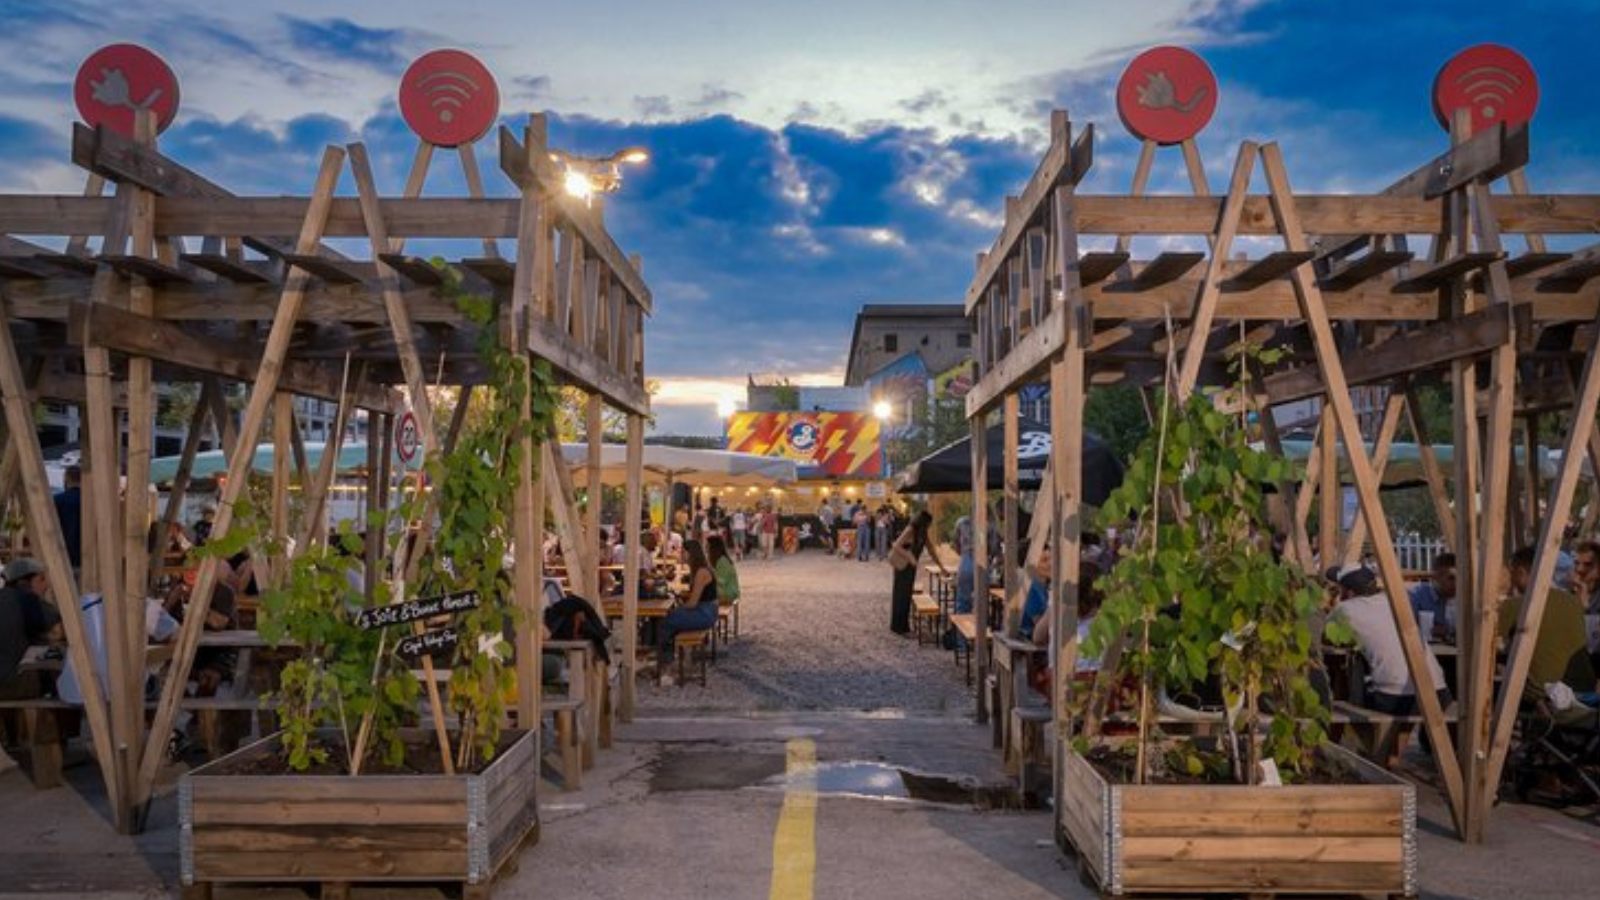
(475, 485)
(1201, 594)
(349, 679)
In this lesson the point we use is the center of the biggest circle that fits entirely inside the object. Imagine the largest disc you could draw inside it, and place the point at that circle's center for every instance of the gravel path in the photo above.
(814, 635)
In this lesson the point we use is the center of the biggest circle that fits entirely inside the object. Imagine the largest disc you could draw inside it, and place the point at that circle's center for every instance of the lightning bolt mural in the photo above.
(828, 445)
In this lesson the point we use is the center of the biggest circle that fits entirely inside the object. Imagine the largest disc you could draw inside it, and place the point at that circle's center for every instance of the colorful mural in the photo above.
(903, 384)
(822, 444)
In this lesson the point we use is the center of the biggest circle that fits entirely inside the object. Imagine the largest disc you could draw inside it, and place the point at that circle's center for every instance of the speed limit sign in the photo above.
(407, 437)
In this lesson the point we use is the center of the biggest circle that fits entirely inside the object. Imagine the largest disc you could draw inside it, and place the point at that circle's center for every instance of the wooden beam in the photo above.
(1020, 365)
(1413, 351)
(980, 545)
(580, 365)
(1205, 304)
(103, 325)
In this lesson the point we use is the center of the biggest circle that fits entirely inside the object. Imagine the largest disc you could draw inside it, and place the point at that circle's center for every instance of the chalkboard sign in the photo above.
(437, 642)
(420, 608)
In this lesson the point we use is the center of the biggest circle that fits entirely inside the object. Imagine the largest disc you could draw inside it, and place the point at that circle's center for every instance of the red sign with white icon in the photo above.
(1166, 95)
(120, 80)
(1495, 83)
(449, 98)
(407, 437)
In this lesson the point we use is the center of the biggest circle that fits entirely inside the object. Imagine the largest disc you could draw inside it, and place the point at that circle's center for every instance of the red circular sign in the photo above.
(119, 80)
(1492, 81)
(449, 98)
(407, 437)
(1166, 95)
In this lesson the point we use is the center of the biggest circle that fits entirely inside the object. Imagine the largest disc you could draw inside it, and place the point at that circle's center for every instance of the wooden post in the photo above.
(50, 546)
(1067, 376)
(528, 572)
(980, 558)
(1431, 470)
(1314, 312)
(1531, 480)
(594, 412)
(1331, 515)
(1015, 581)
(1205, 306)
(180, 481)
(1392, 408)
(282, 424)
(632, 510)
(261, 394)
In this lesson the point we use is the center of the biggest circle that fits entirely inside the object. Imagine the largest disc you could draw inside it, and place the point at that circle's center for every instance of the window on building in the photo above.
(891, 343)
(964, 340)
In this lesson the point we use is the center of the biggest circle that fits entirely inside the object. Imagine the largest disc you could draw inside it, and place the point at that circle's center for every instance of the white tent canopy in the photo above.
(715, 468)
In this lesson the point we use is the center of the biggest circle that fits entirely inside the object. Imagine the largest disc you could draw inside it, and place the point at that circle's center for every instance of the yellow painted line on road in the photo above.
(794, 844)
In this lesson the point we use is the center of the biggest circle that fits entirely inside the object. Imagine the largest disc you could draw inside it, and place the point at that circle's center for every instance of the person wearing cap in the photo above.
(1365, 609)
(25, 619)
(202, 528)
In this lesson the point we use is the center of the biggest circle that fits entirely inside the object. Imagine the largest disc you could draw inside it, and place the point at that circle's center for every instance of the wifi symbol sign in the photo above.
(449, 98)
(1493, 83)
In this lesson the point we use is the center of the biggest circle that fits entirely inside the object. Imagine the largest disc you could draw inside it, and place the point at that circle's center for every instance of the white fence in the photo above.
(1415, 551)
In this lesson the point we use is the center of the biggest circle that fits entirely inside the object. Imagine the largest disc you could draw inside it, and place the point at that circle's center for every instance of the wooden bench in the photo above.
(693, 647)
(925, 618)
(577, 738)
(1379, 736)
(966, 625)
(43, 724)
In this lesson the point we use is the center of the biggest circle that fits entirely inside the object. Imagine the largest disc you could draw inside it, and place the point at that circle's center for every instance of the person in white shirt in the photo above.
(740, 524)
(1365, 609)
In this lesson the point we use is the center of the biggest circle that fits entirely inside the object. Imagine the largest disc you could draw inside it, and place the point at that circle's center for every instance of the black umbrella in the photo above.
(949, 470)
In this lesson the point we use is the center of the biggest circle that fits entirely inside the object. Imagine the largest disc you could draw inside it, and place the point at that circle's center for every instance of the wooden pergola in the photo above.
(174, 279)
(1487, 310)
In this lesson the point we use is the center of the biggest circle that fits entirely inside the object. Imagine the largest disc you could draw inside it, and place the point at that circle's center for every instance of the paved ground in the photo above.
(692, 802)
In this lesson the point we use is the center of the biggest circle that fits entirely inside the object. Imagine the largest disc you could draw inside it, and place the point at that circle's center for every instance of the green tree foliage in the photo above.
(1116, 413)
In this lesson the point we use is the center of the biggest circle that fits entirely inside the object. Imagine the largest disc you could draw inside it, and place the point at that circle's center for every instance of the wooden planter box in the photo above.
(339, 829)
(1296, 839)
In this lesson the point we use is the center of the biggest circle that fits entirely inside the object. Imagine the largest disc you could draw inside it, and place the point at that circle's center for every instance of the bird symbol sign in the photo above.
(1166, 95)
(449, 98)
(1493, 82)
(120, 80)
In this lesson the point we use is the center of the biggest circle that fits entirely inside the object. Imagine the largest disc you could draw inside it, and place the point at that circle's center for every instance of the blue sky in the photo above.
(808, 158)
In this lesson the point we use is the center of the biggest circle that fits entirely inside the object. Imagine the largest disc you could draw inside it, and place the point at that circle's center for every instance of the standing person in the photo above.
(69, 509)
(740, 524)
(769, 531)
(863, 523)
(903, 557)
(696, 612)
(967, 568)
(880, 532)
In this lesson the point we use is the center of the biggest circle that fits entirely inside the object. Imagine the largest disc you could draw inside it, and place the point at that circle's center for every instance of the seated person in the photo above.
(722, 566)
(1089, 599)
(1437, 595)
(697, 611)
(1365, 609)
(1560, 652)
(213, 666)
(25, 619)
(1038, 600)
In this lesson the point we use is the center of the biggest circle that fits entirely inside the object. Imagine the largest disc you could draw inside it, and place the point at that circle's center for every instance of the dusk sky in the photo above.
(807, 158)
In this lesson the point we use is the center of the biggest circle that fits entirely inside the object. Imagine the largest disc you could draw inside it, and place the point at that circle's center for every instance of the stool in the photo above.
(694, 647)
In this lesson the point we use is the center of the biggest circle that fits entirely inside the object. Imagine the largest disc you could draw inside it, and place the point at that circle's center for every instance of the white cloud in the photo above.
(844, 62)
